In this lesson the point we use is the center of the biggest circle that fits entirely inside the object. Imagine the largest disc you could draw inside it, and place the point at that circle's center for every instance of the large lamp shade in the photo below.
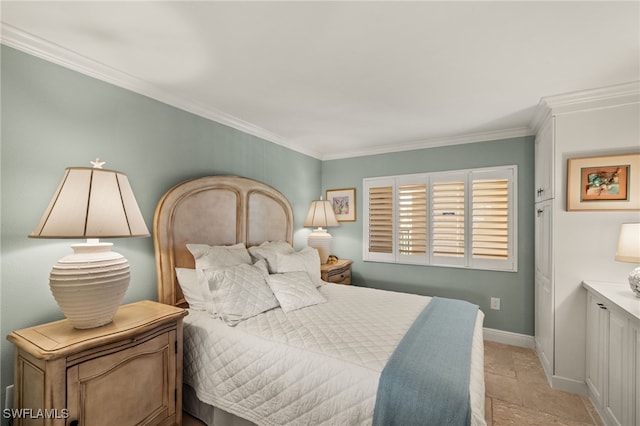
(628, 250)
(91, 203)
(320, 216)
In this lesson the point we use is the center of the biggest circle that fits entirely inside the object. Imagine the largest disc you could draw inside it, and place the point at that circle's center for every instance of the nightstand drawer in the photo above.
(338, 273)
(340, 277)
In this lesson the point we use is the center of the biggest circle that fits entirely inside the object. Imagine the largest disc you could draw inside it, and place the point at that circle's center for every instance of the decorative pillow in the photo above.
(240, 292)
(194, 288)
(294, 290)
(307, 260)
(269, 251)
(261, 265)
(219, 256)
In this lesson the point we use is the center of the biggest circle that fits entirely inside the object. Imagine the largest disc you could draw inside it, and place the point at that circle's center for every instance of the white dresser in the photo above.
(613, 351)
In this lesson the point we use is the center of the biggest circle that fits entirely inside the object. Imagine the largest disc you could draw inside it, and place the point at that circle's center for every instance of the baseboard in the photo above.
(562, 383)
(604, 417)
(569, 385)
(509, 338)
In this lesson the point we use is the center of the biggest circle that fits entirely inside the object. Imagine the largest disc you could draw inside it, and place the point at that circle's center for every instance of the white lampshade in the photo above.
(629, 251)
(91, 203)
(321, 215)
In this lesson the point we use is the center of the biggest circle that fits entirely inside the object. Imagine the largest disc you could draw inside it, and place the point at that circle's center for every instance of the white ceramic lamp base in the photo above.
(89, 284)
(634, 281)
(321, 240)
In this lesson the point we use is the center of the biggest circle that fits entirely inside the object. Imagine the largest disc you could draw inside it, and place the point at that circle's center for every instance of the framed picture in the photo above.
(343, 202)
(604, 183)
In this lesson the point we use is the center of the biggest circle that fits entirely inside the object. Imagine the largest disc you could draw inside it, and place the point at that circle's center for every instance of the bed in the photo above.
(321, 363)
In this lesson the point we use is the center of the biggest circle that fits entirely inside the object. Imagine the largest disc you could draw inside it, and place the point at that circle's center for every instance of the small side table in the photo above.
(337, 273)
(128, 372)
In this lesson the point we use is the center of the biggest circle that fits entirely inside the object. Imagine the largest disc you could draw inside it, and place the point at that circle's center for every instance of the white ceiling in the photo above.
(337, 79)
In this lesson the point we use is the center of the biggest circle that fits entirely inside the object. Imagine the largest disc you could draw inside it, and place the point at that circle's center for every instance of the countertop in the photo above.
(619, 294)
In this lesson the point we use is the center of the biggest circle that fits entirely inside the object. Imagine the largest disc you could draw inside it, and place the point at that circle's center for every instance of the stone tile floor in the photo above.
(517, 393)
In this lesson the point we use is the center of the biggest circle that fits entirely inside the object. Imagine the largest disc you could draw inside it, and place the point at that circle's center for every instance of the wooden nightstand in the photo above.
(128, 372)
(338, 273)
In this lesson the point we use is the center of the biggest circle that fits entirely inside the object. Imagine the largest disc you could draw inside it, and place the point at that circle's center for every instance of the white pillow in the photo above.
(219, 256)
(269, 251)
(194, 288)
(294, 290)
(307, 260)
(240, 292)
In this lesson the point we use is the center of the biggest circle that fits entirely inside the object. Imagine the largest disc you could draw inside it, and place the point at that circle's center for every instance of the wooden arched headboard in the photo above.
(214, 210)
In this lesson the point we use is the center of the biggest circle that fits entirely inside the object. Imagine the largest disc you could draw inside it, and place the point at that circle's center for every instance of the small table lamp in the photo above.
(321, 214)
(629, 251)
(91, 203)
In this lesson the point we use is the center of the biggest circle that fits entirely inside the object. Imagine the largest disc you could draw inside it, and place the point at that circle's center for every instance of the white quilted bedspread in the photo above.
(318, 365)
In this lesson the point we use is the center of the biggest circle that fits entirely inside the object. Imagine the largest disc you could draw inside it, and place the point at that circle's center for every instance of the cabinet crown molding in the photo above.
(603, 97)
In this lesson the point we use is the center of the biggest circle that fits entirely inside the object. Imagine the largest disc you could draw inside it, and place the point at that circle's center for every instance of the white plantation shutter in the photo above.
(379, 216)
(448, 219)
(381, 219)
(490, 212)
(463, 218)
(493, 227)
(412, 220)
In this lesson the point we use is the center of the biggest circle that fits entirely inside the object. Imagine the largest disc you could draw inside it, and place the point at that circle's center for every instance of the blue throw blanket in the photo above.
(426, 380)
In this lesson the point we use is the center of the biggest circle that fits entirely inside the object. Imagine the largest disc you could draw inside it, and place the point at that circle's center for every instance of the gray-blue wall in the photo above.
(53, 118)
(515, 289)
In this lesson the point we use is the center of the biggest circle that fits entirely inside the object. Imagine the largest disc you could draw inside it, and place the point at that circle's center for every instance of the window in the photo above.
(461, 218)
(380, 230)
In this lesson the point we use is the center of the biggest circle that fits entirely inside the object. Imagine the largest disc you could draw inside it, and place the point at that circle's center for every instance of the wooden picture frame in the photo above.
(343, 202)
(604, 183)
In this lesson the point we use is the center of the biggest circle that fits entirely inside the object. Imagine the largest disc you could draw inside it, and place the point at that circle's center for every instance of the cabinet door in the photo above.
(544, 162)
(634, 395)
(618, 377)
(544, 314)
(597, 330)
(543, 239)
(134, 386)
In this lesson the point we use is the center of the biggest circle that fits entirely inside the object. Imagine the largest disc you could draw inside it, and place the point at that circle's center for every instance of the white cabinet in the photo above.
(597, 323)
(544, 279)
(635, 333)
(613, 352)
(544, 317)
(617, 377)
(544, 161)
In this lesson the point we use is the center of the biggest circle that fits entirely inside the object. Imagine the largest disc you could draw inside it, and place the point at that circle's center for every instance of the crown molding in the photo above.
(550, 105)
(603, 97)
(35, 46)
(434, 142)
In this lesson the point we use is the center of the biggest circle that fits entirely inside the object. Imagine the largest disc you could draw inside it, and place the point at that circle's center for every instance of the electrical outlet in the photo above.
(495, 303)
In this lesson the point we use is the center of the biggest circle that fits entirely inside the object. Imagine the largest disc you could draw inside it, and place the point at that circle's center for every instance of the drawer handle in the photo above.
(73, 423)
(601, 306)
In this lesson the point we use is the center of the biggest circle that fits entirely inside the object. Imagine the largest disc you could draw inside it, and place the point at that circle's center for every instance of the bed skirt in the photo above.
(210, 415)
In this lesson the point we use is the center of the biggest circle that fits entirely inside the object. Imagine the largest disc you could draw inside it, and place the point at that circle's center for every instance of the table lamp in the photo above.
(321, 215)
(629, 251)
(91, 203)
